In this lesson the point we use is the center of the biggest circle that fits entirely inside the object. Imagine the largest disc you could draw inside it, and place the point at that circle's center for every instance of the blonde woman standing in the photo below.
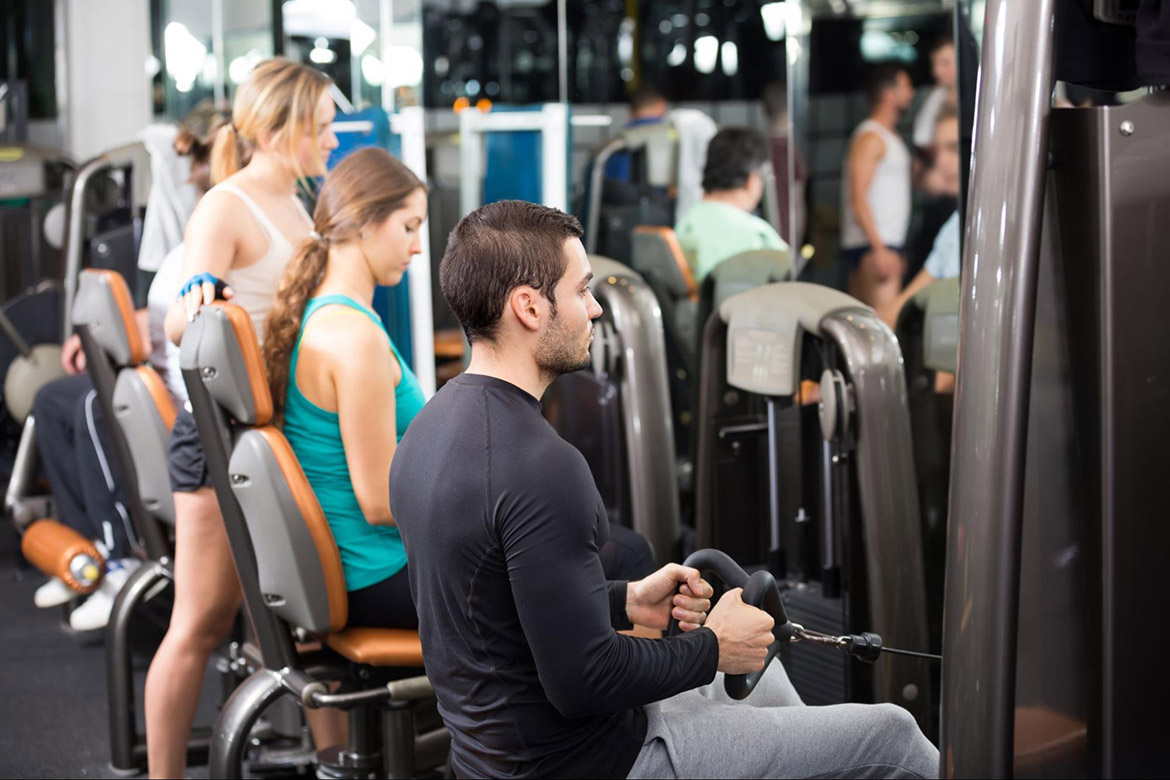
(242, 236)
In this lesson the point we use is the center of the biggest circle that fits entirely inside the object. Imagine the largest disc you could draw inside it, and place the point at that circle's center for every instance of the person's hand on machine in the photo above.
(744, 634)
(672, 591)
(72, 355)
(200, 290)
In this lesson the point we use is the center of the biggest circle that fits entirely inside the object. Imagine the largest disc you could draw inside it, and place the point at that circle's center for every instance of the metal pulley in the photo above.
(836, 407)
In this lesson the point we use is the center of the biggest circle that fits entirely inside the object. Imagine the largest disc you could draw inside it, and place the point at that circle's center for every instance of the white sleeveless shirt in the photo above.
(255, 285)
(888, 194)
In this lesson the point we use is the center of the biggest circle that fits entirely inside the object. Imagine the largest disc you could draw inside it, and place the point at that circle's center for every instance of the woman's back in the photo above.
(369, 553)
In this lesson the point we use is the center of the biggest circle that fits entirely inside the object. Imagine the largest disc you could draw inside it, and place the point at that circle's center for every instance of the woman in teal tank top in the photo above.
(339, 383)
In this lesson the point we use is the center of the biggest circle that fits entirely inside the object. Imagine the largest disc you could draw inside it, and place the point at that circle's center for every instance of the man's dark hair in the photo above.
(732, 155)
(644, 97)
(942, 41)
(775, 100)
(882, 78)
(494, 250)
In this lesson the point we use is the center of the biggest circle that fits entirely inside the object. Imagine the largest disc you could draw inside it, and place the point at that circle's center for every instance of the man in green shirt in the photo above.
(722, 224)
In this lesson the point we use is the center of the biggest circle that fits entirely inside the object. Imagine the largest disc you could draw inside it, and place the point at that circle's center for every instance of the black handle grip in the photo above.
(760, 591)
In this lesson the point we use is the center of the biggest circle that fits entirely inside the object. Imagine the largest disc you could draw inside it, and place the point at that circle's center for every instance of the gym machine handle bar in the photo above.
(761, 591)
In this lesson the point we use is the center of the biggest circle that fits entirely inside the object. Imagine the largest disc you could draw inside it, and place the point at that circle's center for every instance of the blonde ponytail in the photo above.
(226, 156)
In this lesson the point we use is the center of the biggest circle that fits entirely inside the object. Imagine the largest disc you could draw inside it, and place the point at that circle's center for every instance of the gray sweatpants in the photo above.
(705, 733)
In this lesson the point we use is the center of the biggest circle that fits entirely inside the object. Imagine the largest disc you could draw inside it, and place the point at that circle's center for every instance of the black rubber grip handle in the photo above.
(760, 591)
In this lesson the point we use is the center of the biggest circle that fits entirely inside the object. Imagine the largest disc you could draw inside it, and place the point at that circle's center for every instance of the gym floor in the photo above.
(53, 683)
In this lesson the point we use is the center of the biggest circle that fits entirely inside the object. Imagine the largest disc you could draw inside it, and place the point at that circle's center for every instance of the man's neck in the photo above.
(886, 116)
(740, 198)
(510, 366)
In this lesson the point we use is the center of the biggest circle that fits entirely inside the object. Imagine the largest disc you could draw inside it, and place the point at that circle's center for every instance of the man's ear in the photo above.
(525, 304)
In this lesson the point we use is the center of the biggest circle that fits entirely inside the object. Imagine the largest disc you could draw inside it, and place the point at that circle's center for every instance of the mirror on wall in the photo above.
(204, 50)
(344, 38)
(879, 96)
(835, 50)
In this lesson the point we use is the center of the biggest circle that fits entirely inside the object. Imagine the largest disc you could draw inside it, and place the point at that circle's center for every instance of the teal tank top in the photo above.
(369, 553)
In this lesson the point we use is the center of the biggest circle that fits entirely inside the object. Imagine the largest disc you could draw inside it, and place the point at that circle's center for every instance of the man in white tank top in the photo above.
(875, 193)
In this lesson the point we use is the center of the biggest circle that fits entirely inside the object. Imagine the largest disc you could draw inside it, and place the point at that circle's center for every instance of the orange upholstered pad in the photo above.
(253, 361)
(139, 352)
(51, 546)
(378, 646)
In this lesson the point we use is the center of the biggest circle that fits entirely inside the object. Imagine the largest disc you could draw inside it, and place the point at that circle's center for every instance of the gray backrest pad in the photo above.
(749, 270)
(940, 334)
(287, 560)
(653, 258)
(210, 344)
(96, 308)
(764, 328)
(146, 436)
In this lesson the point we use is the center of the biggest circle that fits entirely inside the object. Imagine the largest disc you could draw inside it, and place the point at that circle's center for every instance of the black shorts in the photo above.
(385, 604)
(186, 463)
(852, 257)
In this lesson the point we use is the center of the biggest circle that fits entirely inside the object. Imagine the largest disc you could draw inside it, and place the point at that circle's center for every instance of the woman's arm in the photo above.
(364, 377)
(210, 243)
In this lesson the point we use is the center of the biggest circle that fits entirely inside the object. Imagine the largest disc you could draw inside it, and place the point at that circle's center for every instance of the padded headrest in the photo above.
(940, 332)
(297, 560)
(221, 344)
(764, 332)
(103, 304)
(657, 253)
(604, 268)
(659, 142)
(749, 270)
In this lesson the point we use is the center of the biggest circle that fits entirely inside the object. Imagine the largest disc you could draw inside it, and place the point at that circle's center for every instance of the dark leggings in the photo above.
(77, 454)
(385, 604)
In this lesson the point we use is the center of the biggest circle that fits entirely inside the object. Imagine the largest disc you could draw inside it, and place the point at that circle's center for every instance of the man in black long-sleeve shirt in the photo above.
(502, 523)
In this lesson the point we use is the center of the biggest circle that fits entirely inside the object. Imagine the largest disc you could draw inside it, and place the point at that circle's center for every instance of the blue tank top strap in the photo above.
(316, 304)
(327, 300)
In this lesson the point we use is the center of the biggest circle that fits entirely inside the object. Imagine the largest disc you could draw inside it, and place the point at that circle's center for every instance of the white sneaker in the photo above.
(95, 612)
(54, 593)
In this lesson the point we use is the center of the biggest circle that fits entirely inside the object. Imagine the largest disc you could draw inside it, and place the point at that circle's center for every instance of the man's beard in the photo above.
(559, 352)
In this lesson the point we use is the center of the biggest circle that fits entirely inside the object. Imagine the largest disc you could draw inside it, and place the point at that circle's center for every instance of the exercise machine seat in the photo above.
(143, 406)
(378, 646)
(659, 257)
(297, 561)
(103, 303)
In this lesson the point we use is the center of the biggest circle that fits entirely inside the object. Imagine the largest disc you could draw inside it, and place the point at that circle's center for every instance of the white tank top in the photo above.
(255, 285)
(888, 195)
